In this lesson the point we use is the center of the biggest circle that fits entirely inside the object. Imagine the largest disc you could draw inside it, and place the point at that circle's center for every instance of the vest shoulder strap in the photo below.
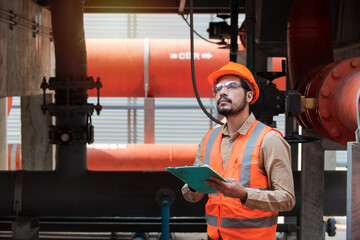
(210, 142)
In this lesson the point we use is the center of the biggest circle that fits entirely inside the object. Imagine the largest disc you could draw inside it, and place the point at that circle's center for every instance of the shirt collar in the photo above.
(242, 130)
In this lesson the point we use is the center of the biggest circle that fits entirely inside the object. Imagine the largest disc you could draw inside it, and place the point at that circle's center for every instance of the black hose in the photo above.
(182, 15)
(193, 68)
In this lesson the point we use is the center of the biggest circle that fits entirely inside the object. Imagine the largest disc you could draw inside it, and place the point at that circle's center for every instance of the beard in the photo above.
(231, 110)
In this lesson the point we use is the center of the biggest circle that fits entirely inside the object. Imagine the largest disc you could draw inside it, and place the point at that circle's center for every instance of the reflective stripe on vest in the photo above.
(242, 222)
(210, 144)
(246, 160)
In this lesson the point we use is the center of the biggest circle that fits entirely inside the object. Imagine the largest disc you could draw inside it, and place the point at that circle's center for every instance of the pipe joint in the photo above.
(71, 101)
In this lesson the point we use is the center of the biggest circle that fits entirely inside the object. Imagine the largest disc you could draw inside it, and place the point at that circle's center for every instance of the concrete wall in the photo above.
(25, 58)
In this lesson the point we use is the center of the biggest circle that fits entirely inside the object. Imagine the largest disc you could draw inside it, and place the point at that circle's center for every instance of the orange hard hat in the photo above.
(240, 70)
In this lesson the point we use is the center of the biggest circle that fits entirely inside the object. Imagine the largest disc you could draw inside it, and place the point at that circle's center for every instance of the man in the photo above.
(252, 157)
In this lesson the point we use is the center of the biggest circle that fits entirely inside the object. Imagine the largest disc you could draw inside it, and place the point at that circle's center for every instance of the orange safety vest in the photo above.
(225, 216)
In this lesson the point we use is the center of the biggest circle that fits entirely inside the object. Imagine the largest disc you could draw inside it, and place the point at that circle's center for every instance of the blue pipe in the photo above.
(165, 217)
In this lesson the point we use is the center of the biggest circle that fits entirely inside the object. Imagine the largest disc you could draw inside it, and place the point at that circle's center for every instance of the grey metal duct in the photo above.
(70, 52)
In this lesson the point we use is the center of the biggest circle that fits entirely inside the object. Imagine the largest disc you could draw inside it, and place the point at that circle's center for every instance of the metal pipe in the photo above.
(120, 63)
(126, 157)
(346, 94)
(234, 6)
(70, 53)
(140, 157)
(334, 87)
(93, 194)
(165, 217)
(250, 35)
(309, 39)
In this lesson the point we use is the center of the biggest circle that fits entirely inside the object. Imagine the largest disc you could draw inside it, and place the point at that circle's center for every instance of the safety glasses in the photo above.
(228, 85)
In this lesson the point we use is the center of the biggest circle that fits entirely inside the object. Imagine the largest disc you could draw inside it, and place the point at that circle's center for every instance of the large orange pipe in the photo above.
(140, 157)
(126, 157)
(123, 66)
(347, 94)
(335, 87)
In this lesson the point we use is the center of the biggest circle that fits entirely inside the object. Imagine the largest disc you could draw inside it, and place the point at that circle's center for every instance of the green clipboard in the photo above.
(195, 177)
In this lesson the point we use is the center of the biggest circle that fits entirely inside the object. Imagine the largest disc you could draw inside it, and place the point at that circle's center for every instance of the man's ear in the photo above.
(249, 96)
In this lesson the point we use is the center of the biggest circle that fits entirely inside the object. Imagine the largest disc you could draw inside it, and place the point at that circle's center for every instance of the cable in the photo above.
(182, 15)
(193, 67)
(357, 132)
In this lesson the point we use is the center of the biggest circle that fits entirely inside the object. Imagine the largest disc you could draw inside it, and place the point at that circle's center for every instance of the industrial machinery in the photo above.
(321, 95)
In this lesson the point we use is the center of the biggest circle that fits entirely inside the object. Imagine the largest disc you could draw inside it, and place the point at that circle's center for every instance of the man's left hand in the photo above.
(231, 188)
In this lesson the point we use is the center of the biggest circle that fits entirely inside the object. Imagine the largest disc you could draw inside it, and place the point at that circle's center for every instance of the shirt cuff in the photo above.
(249, 195)
(189, 195)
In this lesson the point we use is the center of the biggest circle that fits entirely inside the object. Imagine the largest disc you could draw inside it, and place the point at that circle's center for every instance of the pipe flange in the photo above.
(71, 83)
(303, 120)
(165, 192)
(311, 92)
(67, 136)
(56, 110)
(326, 94)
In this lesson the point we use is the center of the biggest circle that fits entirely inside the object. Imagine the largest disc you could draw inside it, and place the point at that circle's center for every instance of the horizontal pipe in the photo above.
(126, 194)
(334, 87)
(346, 95)
(94, 193)
(140, 157)
(120, 65)
(126, 157)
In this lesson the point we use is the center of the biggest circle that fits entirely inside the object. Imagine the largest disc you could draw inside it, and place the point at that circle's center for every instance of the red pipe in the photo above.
(140, 157)
(347, 93)
(9, 105)
(14, 156)
(333, 85)
(126, 157)
(309, 38)
(120, 64)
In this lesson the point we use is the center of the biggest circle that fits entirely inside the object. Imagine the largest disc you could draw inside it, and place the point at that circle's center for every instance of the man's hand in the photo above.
(231, 188)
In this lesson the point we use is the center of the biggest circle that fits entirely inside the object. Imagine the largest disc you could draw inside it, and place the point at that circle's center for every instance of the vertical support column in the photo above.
(71, 66)
(3, 134)
(149, 107)
(312, 189)
(353, 191)
(36, 153)
(250, 34)
(234, 5)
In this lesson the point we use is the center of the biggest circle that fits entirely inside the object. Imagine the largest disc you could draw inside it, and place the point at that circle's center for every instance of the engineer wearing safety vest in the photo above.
(252, 157)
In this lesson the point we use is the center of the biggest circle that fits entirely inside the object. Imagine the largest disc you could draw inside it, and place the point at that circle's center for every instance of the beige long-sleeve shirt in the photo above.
(274, 162)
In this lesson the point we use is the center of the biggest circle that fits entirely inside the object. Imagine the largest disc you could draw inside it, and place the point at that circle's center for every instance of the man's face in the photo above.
(231, 98)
